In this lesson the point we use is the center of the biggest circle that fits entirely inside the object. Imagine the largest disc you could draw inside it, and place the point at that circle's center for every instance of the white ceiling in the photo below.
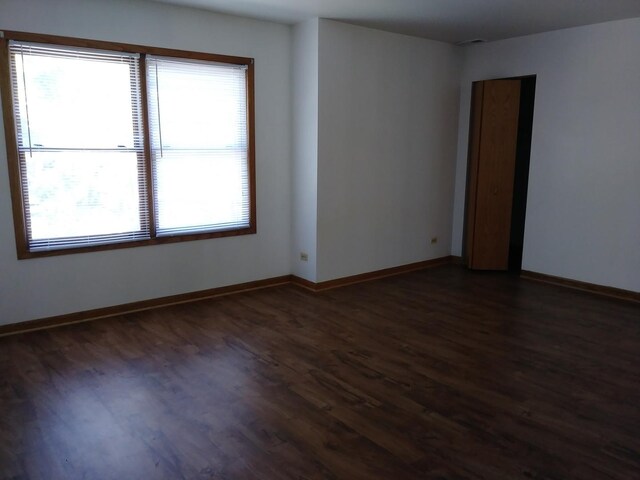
(446, 20)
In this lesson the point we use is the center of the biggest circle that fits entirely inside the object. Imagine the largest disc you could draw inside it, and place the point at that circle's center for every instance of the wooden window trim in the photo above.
(15, 175)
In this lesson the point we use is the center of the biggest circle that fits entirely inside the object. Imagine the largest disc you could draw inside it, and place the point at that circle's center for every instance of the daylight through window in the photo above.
(85, 172)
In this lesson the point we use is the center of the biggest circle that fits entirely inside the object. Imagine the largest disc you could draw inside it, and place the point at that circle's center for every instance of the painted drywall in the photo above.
(305, 149)
(583, 206)
(387, 128)
(36, 288)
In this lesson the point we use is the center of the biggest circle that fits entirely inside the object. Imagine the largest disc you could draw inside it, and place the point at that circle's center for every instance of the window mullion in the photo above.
(146, 135)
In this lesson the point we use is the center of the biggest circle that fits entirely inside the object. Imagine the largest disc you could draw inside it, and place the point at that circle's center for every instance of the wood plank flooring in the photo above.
(437, 374)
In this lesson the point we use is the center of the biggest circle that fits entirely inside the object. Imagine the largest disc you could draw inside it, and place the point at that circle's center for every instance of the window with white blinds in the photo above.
(198, 125)
(80, 148)
(82, 171)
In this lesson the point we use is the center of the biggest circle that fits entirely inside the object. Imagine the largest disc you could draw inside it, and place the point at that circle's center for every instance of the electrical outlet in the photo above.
(434, 240)
(304, 256)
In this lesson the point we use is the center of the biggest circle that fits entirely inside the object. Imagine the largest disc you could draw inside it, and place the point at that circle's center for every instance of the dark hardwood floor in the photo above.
(437, 374)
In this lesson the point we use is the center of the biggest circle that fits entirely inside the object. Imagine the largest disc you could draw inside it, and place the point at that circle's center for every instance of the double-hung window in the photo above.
(113, 145)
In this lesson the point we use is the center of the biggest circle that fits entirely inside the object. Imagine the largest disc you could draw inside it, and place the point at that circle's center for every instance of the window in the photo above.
(116, 145)
(204, 148)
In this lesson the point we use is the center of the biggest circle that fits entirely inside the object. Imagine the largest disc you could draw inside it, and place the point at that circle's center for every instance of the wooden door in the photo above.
(492, 156)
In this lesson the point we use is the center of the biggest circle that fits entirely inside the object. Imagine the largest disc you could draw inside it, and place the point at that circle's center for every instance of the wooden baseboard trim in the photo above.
(365, 277)
(87, 315)
(304, 283)
(611, 292)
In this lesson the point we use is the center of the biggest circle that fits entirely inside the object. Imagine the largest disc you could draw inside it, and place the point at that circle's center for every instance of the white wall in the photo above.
(387, 143)
(583, 207)
(37, 288)
(305, 149)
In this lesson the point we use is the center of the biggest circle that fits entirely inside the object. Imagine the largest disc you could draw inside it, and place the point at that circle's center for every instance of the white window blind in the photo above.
(198, 129)
(80, 145)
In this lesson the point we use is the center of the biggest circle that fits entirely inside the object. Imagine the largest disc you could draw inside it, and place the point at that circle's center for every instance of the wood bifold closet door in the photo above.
(493, 139)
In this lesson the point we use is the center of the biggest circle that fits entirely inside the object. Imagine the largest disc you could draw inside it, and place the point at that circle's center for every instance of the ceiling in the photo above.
(446, 20)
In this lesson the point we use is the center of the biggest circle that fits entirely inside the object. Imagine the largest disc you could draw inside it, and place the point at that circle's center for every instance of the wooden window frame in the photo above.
(15, 175)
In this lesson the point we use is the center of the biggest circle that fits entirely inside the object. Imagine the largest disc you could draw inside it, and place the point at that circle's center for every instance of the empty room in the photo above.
(304, 239)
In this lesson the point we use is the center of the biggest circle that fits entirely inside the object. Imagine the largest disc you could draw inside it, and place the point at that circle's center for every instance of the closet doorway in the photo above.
(500, 130)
